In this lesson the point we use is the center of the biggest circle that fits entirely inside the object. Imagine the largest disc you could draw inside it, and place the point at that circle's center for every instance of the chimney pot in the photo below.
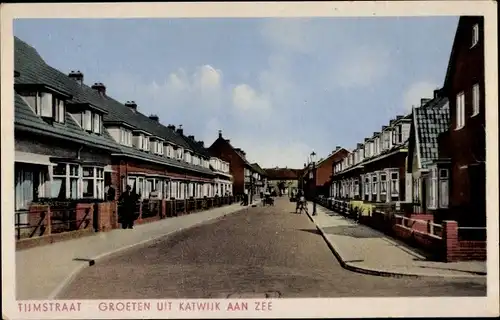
(220, 133)
(132, 105)
(437, 93)
(191, 137)
(154, 117)
(78, 77)
(99, 87)
(180, 130)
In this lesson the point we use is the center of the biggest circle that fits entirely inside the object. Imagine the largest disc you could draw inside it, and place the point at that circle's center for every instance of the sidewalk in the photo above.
(362, 249)
(42, 272)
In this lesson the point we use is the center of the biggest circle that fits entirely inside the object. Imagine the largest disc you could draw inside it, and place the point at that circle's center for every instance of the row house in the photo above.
(224, 180)
(374, 171)
(244, 174)
(321, 180)
(73, 141)
(258, 182)
(448, 153)
(283, 180)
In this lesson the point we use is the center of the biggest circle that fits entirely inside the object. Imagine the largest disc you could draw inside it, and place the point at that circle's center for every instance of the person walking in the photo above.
(127, 208)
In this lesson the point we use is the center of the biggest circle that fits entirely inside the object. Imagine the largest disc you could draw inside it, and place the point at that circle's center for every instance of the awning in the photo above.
(33, 158)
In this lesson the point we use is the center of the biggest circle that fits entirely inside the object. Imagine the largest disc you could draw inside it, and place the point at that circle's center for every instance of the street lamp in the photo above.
(312, 175)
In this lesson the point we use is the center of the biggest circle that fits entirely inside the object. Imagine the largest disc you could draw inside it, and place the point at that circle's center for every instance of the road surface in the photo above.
(257, 252)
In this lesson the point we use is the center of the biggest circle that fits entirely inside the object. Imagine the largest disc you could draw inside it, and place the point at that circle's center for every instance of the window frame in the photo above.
(475, 35)
(460, 110)
(476, 100)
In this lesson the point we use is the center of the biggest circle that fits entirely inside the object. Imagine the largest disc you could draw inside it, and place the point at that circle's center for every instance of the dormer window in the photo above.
(475, 35)
(396, 135)
(125, 137)
(46, 105)
(92, 122)
(145, 143)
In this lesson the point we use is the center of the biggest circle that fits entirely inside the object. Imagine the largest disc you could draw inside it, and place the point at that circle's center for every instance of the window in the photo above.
(188, 157)
(475, 99)
(443, 188)
(475, 35)
(159, 147)
(405, 132)
(460, 110)
(24, 189)
(65, 181)
(374, 185)
(87, 120)
(394, 184)
(44, 105)
(432, 189)
(396, 135)
(93, 182)
(140, 187)
(96, 125)
(125, 137)
(367, 185)
(58, 109)
(383, 183)
(356, 187)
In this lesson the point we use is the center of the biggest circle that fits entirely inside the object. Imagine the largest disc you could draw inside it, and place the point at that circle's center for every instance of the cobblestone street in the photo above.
(260, 250)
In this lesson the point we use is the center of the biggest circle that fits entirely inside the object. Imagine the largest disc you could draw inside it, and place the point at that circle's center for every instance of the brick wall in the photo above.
(107, 213)
(223, 150)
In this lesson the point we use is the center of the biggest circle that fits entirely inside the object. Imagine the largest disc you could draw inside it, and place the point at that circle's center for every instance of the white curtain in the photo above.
(24, 191)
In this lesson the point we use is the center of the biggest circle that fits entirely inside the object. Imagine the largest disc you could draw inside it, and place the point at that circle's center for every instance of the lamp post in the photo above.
(313, 177)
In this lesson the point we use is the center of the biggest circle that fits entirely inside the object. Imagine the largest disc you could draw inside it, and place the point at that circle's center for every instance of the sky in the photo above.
(278, 88)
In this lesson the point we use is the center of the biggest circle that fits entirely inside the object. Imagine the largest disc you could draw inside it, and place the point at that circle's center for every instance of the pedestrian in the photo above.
(127, 208)
(300, 201)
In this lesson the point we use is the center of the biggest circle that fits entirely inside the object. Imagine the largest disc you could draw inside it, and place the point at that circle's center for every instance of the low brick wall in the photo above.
(471, 250)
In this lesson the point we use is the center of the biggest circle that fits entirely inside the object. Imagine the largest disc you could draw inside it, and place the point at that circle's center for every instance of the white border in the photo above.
(346, 307)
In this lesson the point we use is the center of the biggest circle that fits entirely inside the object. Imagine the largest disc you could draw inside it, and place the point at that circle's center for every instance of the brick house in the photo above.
(323, 173)
(73, 140)
(285, 179)
(465, 142)
(375, 171)
(244, 174)
(55, 157)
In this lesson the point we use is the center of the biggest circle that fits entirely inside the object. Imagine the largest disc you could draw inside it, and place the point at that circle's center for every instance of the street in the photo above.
(259, 251)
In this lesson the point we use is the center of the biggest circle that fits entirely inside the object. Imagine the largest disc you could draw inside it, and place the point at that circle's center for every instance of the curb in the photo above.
(90, 262)
(392, 274)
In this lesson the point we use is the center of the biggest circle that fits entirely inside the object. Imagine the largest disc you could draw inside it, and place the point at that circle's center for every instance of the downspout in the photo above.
(78, 153)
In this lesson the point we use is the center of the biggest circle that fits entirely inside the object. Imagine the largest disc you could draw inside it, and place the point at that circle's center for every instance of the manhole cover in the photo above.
(254, 295)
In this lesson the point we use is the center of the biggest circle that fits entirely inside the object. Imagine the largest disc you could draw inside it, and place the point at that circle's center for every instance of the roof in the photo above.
(429, 121)
(330, 155)
(258, 169)
(283, 173)
(226, 141)
(34, 70)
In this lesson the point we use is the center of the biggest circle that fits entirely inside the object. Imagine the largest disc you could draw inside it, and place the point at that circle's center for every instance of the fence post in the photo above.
(450, 240)
(48, 221)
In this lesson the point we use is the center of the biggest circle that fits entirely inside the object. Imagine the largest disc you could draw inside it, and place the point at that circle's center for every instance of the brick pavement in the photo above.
(265, 251)
(41, 272)
(361, 248)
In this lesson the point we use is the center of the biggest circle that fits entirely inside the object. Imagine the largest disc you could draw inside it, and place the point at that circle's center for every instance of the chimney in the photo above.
(376, 134)
(16, 74)
(78, 77)
(437, 93)
(180, 130)
(201, 143)
(392, 122)
(132, 105)
(360, 146)
(399, 118)
(384, 128)
(337, 148)
(423, 101)
(220, 133)
(99, 87)
(228, 141)
(171, 127)
(191, 137)
(367, 139)
(154, 117)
